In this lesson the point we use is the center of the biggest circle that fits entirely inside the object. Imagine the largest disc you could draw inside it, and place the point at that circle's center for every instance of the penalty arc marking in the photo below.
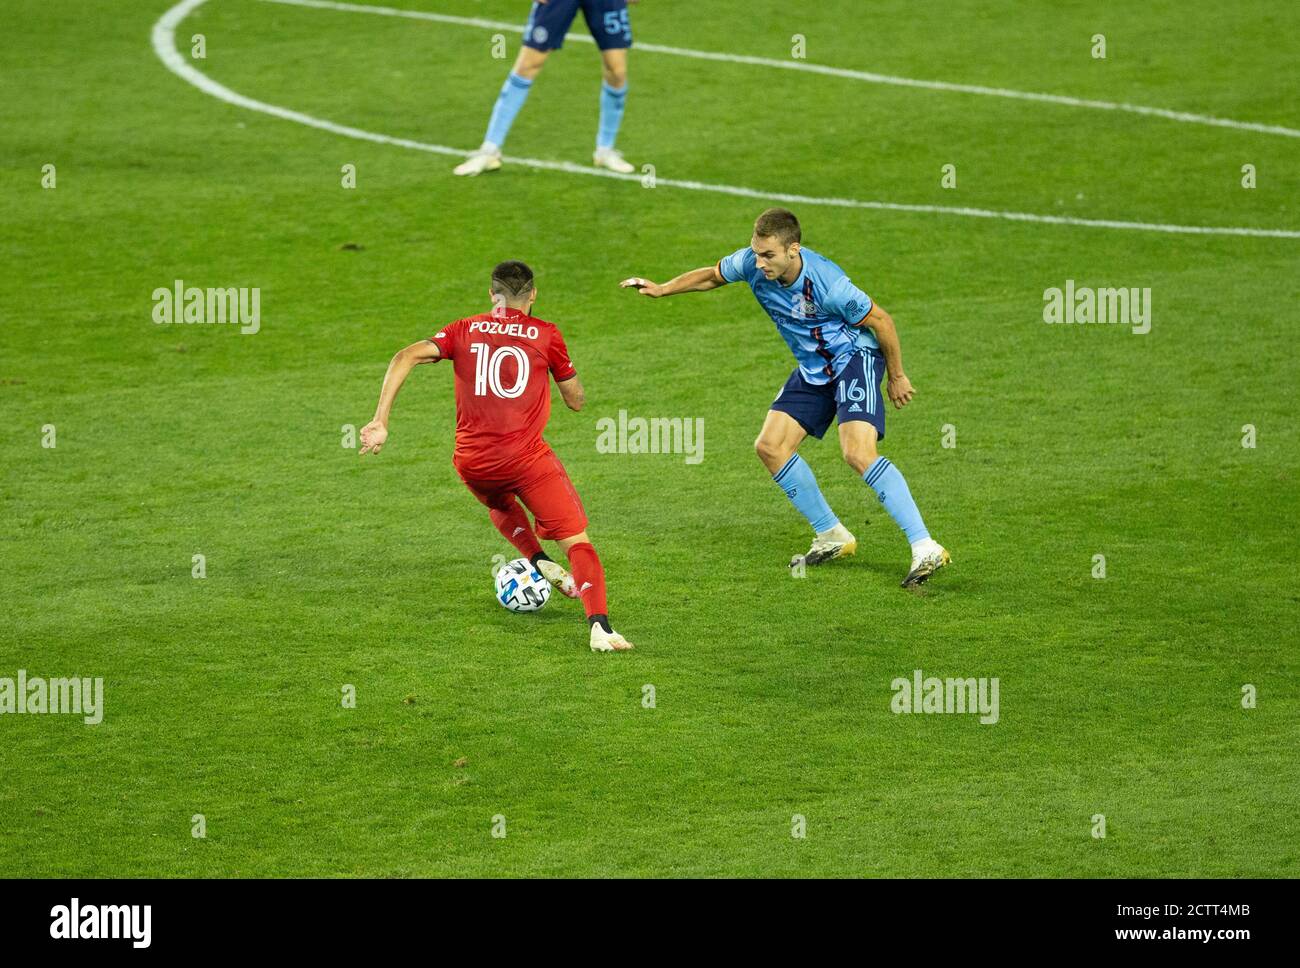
(164, 45)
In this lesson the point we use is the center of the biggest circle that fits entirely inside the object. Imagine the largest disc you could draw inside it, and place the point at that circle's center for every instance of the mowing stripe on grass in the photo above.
(164, 45)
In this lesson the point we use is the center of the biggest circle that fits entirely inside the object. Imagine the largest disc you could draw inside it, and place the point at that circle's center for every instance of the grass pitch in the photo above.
(1119, 696)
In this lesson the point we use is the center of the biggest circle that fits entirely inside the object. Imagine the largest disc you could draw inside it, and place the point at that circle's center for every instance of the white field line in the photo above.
(793, 65)
(164, 45)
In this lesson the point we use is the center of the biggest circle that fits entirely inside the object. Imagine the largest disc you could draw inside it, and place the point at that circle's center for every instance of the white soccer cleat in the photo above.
(838, 542)
(612, 159)
(602, 641)
(928, 556)
(479, 162)
(558, 577)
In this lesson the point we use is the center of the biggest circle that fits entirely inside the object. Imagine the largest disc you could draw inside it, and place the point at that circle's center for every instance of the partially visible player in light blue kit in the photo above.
(548, 23)
(844, 344)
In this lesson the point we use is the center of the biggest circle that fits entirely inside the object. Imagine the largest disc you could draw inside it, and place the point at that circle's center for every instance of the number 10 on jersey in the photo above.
(487, 370)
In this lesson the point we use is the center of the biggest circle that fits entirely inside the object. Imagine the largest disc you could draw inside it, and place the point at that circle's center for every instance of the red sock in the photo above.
(513, 523)
(590, 578)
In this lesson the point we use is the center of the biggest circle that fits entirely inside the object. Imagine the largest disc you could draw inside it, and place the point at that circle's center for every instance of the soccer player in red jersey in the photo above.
(503, 399)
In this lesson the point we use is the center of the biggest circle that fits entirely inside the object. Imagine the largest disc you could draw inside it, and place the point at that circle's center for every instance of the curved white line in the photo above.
(164, 45)
(1186, 117)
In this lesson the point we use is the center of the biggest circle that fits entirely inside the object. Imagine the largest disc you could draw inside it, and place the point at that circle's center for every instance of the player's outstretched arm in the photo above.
(899, 386)
(697, 280)
(375, 433)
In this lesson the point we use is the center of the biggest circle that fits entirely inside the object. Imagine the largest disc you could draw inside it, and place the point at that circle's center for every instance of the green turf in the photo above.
(1119, 696)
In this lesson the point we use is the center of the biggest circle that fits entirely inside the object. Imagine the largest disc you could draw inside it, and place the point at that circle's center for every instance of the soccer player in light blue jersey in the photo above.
(548, 23)
(844, 345)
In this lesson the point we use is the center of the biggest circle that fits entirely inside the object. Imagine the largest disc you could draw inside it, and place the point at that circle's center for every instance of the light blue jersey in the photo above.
(815, 315)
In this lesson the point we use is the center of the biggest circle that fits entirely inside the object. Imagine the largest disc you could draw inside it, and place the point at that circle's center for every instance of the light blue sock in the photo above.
(886, 480)
(612, 101)
(514, 92)
(796, 479)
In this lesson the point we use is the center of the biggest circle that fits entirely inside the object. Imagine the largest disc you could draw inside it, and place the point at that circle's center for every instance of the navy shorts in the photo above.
(853, 395)
(606, 19)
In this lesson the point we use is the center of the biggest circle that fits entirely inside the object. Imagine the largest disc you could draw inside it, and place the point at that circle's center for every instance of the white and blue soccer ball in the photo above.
(521, 587)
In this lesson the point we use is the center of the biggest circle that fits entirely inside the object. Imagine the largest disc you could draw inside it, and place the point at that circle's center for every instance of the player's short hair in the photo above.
(512, 279)
(780, 223)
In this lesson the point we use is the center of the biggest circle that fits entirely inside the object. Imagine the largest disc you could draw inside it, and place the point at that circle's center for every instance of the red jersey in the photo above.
(503, 396)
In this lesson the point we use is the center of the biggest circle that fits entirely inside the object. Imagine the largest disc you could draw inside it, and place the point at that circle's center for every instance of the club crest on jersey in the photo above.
(804, 304)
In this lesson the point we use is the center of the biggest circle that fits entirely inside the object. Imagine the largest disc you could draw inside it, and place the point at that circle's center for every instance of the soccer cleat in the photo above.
(837, 542)
(479, 162)
(612, 159)
(925, 563)
(602, 641)
(558, 577)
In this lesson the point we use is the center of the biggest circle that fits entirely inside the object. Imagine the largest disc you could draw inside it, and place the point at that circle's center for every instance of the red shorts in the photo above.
(544, 488)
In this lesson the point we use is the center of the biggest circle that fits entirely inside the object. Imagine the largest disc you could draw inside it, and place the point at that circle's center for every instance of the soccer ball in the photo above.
(521, 587)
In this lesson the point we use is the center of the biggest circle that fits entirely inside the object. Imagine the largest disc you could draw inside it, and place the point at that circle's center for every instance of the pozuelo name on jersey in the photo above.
(504, 329)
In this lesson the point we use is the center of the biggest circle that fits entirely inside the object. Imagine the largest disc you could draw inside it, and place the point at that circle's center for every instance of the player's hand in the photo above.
(900, 391)
(645, 286)
(373, 436)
